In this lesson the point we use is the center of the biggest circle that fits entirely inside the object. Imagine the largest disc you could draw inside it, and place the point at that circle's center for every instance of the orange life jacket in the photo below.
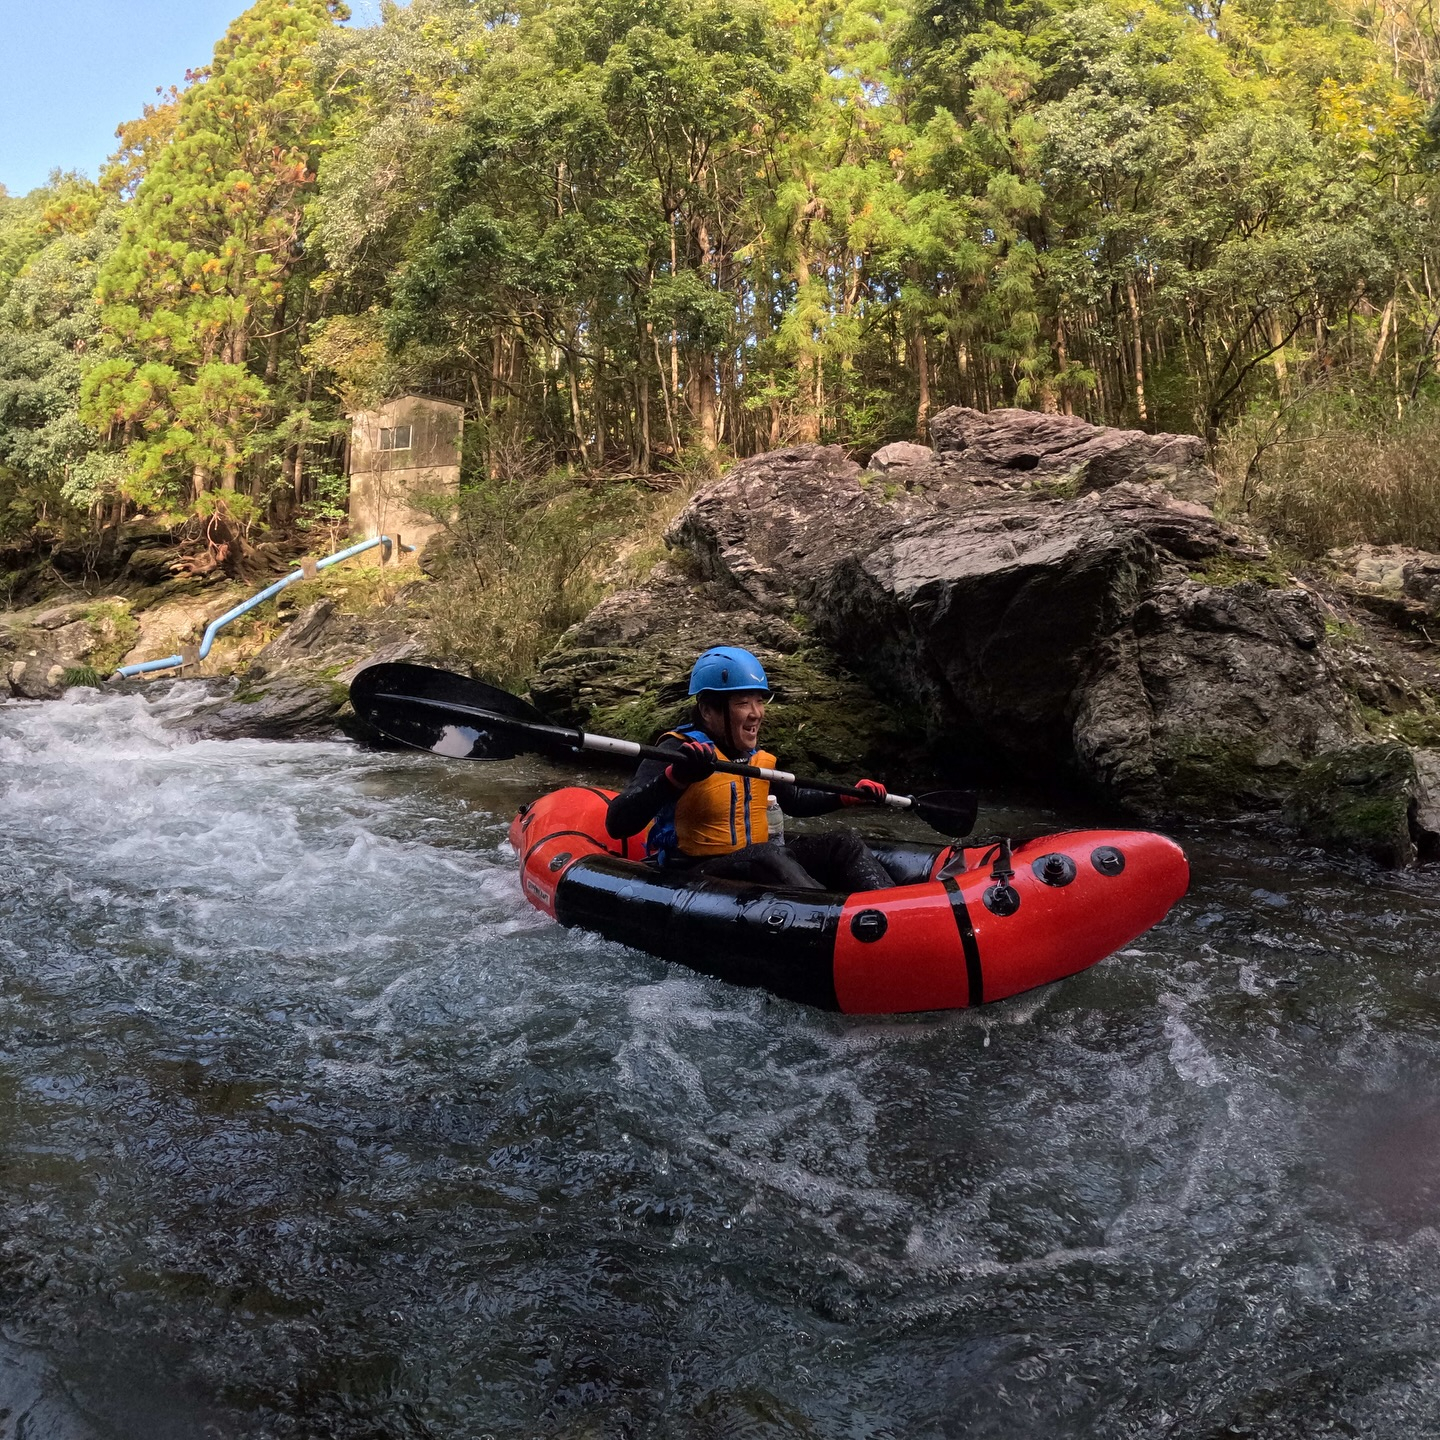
(715, 816)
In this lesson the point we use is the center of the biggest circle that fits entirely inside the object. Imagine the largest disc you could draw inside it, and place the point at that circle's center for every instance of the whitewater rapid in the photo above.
(309, 1125)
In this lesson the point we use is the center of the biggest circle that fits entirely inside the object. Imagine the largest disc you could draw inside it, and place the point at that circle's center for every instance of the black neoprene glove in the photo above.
(694, 762)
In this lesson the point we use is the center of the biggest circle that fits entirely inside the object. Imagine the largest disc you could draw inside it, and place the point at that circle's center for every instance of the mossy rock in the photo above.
(1358, 799)
(1418, 726)
(114, 631)
(1206, 774)
(1225, 570)
(625, 671)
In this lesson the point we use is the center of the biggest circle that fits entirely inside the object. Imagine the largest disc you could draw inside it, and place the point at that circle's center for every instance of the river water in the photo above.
(311, 1127)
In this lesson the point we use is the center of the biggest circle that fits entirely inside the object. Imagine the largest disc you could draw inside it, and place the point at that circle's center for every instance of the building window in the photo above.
(396, 439)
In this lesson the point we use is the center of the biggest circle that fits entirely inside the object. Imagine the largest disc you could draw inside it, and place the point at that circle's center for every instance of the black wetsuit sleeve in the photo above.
(798, 801)
(641, 800)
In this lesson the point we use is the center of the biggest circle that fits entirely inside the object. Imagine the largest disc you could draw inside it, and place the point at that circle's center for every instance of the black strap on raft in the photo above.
(974, 974)
(1001, 897)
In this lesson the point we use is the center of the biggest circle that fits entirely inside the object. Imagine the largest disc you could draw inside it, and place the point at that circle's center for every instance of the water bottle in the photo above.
(776, 817)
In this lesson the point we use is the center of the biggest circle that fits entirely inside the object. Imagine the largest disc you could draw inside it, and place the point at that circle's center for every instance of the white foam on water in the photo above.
(270, 865)
(345, 931)
(1189, 1056)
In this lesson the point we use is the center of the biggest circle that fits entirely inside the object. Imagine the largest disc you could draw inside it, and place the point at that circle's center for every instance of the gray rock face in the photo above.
(901, 455)
(1067, 450)
(776, 522)
(1427, 792)
(1071, 631)
(37, 649)
(1238, 691)
(291, 707)
(1041, 591)
(296, 686)
(1400, 584)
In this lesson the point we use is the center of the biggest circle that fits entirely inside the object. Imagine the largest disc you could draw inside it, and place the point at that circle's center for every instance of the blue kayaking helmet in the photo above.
(727, 667)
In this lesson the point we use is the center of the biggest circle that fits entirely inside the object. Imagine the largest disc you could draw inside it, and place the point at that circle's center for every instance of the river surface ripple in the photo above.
(310, 1127)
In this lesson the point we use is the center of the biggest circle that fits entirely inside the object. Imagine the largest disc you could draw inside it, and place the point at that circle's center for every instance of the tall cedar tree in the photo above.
(208, 243)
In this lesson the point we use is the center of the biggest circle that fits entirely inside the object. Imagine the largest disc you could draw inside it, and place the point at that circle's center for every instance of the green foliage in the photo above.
(356, 588)
(49, 475)
(206, 248)
(636, 235)
(520, 562)
(86, 675)
(1419, 726)
(1329, 470)
(1226, 570)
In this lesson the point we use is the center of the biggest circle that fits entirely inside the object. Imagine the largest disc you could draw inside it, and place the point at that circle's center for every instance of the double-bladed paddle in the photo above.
(466, 719)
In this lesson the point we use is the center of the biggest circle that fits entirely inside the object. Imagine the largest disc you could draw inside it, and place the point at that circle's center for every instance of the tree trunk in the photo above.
(922, 370)
(642, 408)
(665, 396)
(597, 392)
(807, 366)
(1062, 364)
(674, 338)
(272, 345)
(231, 466)
(576, 419)
(700, 391)
(1138, 347)
(1379, 355)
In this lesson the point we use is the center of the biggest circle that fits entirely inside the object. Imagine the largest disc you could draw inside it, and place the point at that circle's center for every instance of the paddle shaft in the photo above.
(609, 745)
(605, 745)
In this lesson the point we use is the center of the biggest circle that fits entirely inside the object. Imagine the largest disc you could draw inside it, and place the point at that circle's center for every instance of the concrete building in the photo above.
(407, 446)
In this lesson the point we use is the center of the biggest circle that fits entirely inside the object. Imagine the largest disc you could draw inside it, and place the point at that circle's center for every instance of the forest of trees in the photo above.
(636, 235)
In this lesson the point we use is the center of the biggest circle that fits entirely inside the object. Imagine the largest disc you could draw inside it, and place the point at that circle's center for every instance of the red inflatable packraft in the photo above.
(952, 933)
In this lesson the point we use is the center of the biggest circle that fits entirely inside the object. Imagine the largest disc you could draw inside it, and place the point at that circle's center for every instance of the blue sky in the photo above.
(72, 70)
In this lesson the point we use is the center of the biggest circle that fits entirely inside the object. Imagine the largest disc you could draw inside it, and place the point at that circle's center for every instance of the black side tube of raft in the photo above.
(905, 862)
(780, 940)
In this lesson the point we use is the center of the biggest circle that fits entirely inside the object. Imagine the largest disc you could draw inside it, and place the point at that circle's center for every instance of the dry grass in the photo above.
(522, 561)
(1324, 476)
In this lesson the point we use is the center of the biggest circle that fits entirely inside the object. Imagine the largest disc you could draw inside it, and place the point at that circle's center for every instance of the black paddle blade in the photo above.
(428, 683)
(951, 812)
(384, 696)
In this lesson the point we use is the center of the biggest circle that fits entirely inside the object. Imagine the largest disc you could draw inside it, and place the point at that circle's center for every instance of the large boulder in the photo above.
(1065, 451)
(625, 671)
(1049, 594)
(1071, 633)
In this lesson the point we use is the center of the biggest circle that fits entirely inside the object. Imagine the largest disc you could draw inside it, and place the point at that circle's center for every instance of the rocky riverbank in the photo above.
(1033, 596)
(1041, 596)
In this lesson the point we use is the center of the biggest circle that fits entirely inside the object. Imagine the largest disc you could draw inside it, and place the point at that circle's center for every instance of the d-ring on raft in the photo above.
(952, 933)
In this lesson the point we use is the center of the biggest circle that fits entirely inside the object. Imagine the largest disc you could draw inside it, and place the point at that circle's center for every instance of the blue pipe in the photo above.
(215, 626)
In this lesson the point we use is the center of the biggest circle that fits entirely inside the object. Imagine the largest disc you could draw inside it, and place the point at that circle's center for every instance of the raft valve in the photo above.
(1054, 869)
(1002, 898)
(1107, 859)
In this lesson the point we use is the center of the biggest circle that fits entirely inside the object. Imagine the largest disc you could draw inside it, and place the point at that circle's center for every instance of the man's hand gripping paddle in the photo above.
(466, 719)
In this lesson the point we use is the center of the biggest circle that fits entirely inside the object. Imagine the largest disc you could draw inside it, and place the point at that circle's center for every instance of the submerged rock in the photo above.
(288, 707)
(1378, 800)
